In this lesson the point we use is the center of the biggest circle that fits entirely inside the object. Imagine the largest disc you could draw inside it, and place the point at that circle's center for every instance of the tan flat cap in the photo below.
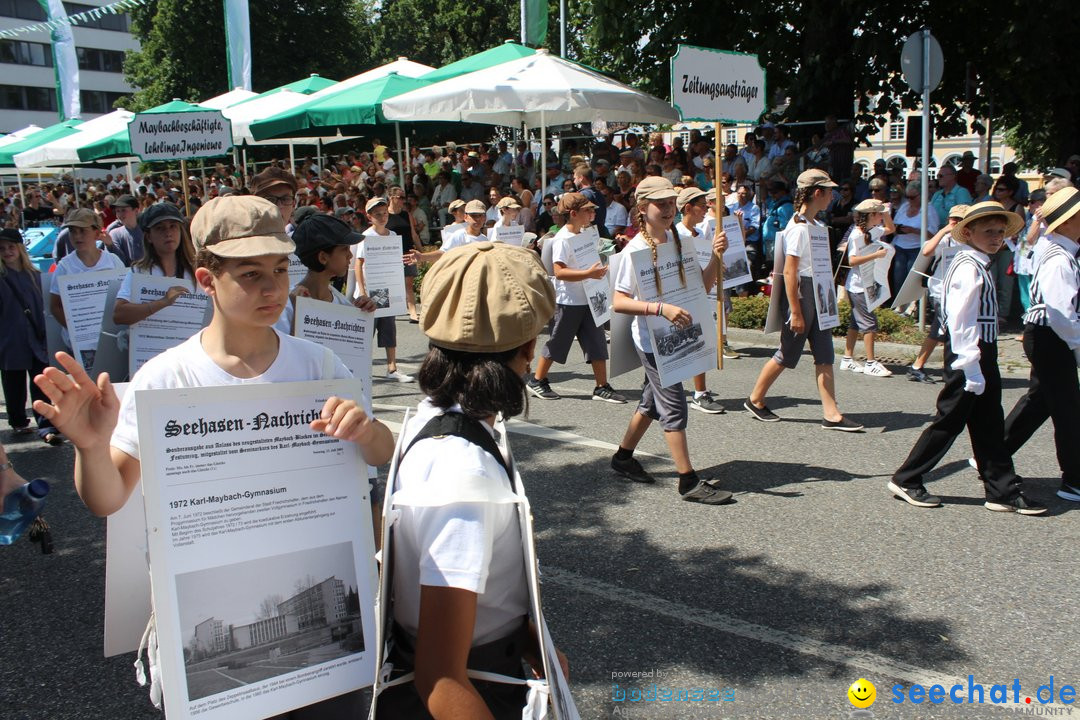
(240, 226)
(486, 298)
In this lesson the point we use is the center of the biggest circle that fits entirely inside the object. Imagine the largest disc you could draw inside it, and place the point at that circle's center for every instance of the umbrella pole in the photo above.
(244, 175)
(130, 177)
(292, 158)
(22, 196)
(74, 186)
(400, 161)
(408, 157)
(318, 155)
(184, 185)
(543, 157)
(718, 167)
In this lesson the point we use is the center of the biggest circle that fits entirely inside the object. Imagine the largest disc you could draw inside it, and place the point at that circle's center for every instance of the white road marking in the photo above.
(521, 427)
(872, 664)
(229, 677)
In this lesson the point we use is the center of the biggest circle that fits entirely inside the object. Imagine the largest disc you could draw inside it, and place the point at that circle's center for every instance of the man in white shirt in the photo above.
(751, 212)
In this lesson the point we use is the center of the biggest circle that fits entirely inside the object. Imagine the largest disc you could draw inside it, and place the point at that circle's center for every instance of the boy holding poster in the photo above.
(872, 223)
(655, 213)
(242, 264)
(573, 319)
(797, 303)
(84, 229)
(385, 327)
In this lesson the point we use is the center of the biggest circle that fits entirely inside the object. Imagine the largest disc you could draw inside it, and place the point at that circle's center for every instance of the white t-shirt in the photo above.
(617, 216)
(626, 282)
(70, 264)
(566, 292)
(797, 243)
(696, 240)
(124, 293)
(474, 546)
(187, 365)
(459, 238)
(856, 243)
(284, 323)
(358, 254)
(910, 241)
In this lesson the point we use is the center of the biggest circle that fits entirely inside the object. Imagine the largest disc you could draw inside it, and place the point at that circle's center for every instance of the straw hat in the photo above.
(1059, 207)
(1014, 223)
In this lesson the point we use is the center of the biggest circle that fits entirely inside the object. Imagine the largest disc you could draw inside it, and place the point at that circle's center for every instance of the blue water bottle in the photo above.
(21, 506)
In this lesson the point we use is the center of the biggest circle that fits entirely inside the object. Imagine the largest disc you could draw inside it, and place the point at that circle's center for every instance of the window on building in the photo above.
(16, 97)
(897, 130)
(685, 135)
(995, 166)
(18, 52)
(24, 9)
(897, 163)
(866, 169)
(118, 22)
(731, 137)
(98, 102)
(110, 61)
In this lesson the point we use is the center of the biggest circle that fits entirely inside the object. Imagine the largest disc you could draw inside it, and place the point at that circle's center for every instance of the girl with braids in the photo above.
(654, 215)
(167, 252)
(871, 224)
(797, 304)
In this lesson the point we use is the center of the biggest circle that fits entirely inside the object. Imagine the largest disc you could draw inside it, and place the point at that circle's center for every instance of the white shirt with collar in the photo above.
(1058, 281)
(963, 295)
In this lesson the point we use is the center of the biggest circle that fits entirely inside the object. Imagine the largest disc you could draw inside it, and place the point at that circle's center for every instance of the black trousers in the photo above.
(15, 383)
(1053, 392)
(985, 422)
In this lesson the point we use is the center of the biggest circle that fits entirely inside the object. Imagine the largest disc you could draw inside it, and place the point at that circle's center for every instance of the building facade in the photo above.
(319, 605)
(210, 638)
(28, 84)
(263, 631)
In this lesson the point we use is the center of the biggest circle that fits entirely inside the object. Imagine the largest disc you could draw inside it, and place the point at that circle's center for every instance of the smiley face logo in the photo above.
(862, 693)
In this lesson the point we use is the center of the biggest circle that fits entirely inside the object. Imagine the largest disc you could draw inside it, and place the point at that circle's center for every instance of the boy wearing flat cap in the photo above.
(573, 319)
(242, 264)
(1052, 342)
(971, 397)
(84, 230)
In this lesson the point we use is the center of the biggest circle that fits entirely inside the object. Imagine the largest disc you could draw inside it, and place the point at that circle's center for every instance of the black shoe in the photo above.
(917, 375)
(707, 403)
(606, 393)
(542, 389)
(1019, 504)
(917, 496)
(762, 413)
(631, 468)
(843, 425)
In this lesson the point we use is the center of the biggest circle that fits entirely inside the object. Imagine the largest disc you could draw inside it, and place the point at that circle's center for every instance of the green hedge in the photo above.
(750, 313)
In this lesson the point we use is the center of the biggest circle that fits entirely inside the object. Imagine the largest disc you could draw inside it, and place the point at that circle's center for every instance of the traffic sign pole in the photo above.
(925, 190)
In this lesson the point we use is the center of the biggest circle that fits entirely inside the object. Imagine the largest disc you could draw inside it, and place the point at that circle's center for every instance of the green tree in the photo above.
(843, 57)
(183, 46)
(438, 32)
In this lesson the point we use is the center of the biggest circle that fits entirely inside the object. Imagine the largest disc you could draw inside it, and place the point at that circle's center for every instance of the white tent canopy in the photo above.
(243, 115)
(19, 135)
(537, 90)
(401, 66)
(64, 152)
(232, 97)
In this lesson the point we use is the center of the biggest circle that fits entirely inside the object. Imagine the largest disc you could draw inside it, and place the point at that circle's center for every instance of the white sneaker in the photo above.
(850, 364)
(400, 377)
(876, 369)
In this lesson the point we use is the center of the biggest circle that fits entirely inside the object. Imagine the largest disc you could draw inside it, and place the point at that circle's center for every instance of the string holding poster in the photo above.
(828, 316)
(169, 326)
(384, 277)
(83, 296)
(262, 558)
(586, 250)
(874, 274)
(680, 352)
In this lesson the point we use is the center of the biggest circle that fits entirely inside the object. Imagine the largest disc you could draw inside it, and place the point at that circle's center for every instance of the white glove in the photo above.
(976, 383)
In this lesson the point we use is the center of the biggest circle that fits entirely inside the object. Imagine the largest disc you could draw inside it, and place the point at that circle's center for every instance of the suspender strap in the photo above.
(457, 424)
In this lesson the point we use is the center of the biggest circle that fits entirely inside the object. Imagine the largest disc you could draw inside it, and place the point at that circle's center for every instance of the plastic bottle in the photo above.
(21, 506)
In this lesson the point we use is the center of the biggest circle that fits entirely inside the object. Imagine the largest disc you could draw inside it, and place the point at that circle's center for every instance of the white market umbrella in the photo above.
(65, 151)
(401, 66)
(536, 90)
(220, 102)
(244, 114)
(19, 135)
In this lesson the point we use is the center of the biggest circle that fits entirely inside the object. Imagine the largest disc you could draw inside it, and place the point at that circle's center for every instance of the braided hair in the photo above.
(643, 230)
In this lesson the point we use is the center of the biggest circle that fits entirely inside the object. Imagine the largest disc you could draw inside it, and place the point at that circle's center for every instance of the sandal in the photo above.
(706, 493)
(53, 439)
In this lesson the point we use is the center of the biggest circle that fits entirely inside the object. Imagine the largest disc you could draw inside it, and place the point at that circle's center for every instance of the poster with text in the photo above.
(736, 264)
(169, 326)
(509, 234)
(297, 270)
(346, 330)
(384, 274)
(621, 350)
(773, 321)
(824, 289)
(874, 274)
(597, 290)
(680, 352)
(83, 296)
(262, 559)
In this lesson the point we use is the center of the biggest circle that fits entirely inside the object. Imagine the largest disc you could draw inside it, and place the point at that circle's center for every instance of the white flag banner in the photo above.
(65, 63)
(238, 43)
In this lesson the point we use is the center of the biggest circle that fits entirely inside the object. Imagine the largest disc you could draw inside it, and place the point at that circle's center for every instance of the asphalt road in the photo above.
(813, 578)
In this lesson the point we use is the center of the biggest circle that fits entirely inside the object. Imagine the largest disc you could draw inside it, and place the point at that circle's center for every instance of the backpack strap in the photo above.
(462, 426)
